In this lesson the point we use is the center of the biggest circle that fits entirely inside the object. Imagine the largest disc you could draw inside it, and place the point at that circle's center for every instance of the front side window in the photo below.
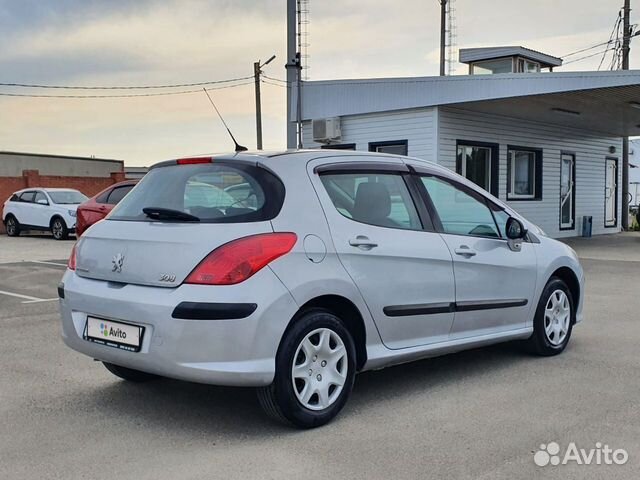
(397, 147)
(380, 199)
(41, 199)
(212, 192)
(67, 197)
(523, 172)
(461, 211)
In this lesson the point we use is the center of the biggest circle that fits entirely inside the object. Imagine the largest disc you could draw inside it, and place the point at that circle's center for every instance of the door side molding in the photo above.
(435, 308)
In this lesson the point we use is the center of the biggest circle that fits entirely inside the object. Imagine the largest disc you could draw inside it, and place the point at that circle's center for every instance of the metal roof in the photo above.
(601, 99)
(470, 55)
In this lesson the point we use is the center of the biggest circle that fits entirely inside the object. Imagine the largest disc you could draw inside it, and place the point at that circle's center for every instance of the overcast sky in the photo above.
(121, 42)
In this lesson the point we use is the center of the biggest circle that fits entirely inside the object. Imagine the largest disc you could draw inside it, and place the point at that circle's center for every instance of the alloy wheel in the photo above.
(11, 227)
(557, 317)
(319, 369)
(57, 229)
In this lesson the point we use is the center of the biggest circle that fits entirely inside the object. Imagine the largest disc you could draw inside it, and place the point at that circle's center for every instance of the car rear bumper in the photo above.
(237, 351)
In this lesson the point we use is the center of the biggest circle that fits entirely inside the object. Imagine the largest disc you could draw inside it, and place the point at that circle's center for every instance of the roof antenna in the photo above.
(239, 148)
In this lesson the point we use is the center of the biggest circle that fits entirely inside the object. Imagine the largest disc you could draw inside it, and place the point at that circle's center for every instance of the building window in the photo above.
(478, 162)
(524, 174)
(395, 147)
(340, 146)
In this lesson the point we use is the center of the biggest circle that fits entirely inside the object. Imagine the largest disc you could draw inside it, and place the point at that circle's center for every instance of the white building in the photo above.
(549, 144)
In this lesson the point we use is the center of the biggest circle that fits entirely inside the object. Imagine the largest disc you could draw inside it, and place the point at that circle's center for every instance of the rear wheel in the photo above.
(315, 371)
(128, 373)
(553, 323)
(59, 229)
(12, 226)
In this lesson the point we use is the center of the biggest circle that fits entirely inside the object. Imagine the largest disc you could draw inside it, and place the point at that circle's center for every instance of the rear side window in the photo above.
(380, 199)
(213, 192)
(118, 194)
(27, 197)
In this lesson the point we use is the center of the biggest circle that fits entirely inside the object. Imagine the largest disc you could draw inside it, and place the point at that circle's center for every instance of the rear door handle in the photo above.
(362, 242)
(465, 251)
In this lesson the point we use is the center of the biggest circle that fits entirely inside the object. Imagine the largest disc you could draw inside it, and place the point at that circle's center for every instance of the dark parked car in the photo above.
(97, 207)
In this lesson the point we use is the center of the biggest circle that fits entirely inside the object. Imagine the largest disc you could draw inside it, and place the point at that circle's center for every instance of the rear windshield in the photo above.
(67, 197)
(212, 192)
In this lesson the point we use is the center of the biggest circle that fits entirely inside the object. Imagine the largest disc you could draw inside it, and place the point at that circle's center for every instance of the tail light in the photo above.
(238, 260)
(71, 264)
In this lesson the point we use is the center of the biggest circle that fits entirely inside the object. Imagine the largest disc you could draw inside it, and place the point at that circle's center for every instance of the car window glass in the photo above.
(460, 211)
(118, 194)
(501, 219)
(102, 198)
(39, 197)
(27, 197)
(373, 198)
(213, 192)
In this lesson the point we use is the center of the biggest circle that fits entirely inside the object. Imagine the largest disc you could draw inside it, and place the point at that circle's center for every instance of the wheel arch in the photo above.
(568, 276)
(54, 216)
(347, 311)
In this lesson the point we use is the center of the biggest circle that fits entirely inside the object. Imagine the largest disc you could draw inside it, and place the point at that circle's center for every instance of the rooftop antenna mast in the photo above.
(451, 37)
(239, 148)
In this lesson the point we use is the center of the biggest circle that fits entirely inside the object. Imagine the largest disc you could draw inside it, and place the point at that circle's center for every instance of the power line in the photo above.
(130, 95)
(588, 56)
(126, 87)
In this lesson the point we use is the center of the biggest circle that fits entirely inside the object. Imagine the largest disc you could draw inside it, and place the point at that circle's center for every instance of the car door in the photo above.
(386, 243)
(494, 284)
(41, 211)
(26, 211)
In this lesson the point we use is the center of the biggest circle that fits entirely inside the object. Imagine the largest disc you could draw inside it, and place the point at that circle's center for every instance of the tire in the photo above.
(12, 226)
(59, 229)
(330, 351)
(129, 374)
(553, 324)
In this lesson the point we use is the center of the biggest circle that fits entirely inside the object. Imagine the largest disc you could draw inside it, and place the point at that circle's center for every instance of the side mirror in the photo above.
(42, 201)
(515, 229)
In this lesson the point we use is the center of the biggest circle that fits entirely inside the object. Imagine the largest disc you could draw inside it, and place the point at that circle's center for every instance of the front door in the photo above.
(611, 193)
(403, 270)
(567, 191)
(493, 283)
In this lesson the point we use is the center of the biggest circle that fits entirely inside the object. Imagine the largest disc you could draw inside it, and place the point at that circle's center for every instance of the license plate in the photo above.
(114, 334)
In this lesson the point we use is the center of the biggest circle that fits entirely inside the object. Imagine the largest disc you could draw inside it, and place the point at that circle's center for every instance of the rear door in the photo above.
(26, 214)
(132, 247)
(494, 285)
(41, 211)
(385, 240)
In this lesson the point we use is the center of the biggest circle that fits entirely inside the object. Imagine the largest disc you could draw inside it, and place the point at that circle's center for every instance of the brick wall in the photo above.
(32, 179)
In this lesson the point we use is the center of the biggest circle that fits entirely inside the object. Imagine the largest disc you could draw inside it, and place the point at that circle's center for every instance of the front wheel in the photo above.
(315, 371)
(553, 323)
(59, 229)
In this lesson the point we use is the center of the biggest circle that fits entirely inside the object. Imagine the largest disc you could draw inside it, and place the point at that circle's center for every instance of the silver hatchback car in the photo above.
(328, 264)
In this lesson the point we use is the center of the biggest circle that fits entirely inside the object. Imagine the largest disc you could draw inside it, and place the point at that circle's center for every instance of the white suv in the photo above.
(328, 264)
(52, 209)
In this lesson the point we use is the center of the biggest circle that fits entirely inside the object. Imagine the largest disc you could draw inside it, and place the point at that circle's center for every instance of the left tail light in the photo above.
(239, 259)
(71, 264)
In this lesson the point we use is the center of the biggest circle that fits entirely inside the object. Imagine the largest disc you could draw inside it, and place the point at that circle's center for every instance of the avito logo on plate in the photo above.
(600, 455)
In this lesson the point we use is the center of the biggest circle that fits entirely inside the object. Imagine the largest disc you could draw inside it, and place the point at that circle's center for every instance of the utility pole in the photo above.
(292, 70)
(443, 31)
(626, 47)
(257, 71)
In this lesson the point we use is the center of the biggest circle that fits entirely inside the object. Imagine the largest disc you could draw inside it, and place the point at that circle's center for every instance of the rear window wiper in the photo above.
(158, 213)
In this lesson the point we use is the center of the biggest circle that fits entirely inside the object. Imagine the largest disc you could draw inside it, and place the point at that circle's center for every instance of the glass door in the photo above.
(567, 191)
(611, 193)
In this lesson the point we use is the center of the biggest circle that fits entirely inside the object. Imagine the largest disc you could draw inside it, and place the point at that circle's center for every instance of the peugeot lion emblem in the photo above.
(118, 261)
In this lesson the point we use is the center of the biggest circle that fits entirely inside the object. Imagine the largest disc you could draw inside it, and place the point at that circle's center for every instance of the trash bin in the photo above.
(587, 225)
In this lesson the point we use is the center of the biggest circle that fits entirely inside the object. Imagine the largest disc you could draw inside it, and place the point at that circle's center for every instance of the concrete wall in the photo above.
(12, 164)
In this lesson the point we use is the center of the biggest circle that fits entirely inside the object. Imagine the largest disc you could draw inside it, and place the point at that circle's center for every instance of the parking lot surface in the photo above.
(476, 414)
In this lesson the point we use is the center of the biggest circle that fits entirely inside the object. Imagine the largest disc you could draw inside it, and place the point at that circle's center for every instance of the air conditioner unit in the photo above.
(326, 129)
